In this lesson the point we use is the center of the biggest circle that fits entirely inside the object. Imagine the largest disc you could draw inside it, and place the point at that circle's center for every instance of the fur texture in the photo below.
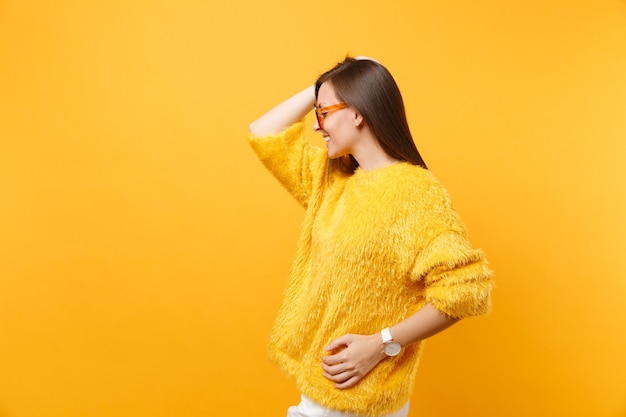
(374, 248)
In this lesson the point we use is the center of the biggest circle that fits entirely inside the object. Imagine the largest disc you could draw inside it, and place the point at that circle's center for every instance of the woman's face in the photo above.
(339, 126)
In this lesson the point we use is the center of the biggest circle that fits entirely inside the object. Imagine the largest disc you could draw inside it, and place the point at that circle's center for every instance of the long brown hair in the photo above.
(369, 87)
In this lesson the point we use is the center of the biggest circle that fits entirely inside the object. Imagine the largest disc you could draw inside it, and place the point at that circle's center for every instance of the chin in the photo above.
(334, 155)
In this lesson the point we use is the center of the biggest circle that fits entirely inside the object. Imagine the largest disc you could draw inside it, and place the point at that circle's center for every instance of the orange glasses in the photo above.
(322, 112)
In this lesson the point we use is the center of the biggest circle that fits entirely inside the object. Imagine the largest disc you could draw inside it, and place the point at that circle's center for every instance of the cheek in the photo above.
(346, 129)
(340, 124)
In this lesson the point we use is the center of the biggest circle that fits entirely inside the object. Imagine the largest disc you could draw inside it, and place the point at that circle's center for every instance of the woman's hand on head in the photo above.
(366, 58)
(359, 356)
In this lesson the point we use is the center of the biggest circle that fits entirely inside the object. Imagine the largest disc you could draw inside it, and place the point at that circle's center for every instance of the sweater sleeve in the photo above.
(457, 279)
(291, 159)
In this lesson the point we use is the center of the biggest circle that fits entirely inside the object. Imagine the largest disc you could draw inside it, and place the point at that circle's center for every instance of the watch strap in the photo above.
(386, 334)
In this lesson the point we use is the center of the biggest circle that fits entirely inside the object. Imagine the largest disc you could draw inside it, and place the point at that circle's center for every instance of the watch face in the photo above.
(392, 348)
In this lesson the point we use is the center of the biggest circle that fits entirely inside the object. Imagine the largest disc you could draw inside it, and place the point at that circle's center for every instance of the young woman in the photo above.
(383, 260)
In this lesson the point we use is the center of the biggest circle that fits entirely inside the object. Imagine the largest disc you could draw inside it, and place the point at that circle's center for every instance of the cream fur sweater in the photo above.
(374, 248)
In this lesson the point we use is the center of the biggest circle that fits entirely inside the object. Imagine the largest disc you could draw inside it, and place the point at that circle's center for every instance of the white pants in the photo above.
(308, 408)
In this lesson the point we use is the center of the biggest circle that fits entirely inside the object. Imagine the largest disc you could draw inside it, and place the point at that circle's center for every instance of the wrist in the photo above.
(377, 342)
(390, 346)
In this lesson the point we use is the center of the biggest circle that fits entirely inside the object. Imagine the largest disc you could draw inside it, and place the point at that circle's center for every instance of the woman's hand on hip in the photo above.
(359, 356)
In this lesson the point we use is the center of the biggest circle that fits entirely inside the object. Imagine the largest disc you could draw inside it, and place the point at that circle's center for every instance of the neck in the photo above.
(377, 163)
(371, 156)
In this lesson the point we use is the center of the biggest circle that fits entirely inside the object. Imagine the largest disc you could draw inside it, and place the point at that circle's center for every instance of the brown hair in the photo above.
(368, 87)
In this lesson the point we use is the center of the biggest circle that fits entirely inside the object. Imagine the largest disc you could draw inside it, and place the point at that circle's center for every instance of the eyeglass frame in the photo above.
(326, 111)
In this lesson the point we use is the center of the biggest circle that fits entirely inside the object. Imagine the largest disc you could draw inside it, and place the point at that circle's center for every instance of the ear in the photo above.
(358, 119)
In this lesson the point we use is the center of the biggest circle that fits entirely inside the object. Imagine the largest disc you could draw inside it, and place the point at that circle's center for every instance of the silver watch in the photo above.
(391, 347)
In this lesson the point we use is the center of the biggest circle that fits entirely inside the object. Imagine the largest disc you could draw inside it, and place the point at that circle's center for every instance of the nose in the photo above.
(316, 126)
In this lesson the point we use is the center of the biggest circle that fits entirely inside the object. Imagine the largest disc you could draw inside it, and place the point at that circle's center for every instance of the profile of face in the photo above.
(339, 124)
(373, 130)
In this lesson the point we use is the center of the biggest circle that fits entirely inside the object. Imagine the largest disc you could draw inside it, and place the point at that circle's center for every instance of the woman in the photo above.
(383, 260)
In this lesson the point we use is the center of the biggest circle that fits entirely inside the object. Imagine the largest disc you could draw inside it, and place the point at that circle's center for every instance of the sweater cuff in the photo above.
(458, 282)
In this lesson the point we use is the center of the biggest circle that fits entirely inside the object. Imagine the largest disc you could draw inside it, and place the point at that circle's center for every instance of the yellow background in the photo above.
(143, 248)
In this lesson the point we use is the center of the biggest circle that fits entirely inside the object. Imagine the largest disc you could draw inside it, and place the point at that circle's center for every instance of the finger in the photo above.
(363, 58)
(339, 342)
(334, 369)
(338, 378)
(333, 359)
(349, 383)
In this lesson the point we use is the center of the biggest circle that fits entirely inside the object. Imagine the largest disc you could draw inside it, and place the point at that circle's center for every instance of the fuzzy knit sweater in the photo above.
(374, 248)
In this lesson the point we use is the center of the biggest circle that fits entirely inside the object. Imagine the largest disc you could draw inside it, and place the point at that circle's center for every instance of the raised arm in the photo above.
(285, 114)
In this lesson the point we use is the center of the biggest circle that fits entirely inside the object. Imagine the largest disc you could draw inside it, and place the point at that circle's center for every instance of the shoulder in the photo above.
(417, 183)
(424, 198)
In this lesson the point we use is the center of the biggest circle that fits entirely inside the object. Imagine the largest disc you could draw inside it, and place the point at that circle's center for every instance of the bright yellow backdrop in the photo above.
(143, 248)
